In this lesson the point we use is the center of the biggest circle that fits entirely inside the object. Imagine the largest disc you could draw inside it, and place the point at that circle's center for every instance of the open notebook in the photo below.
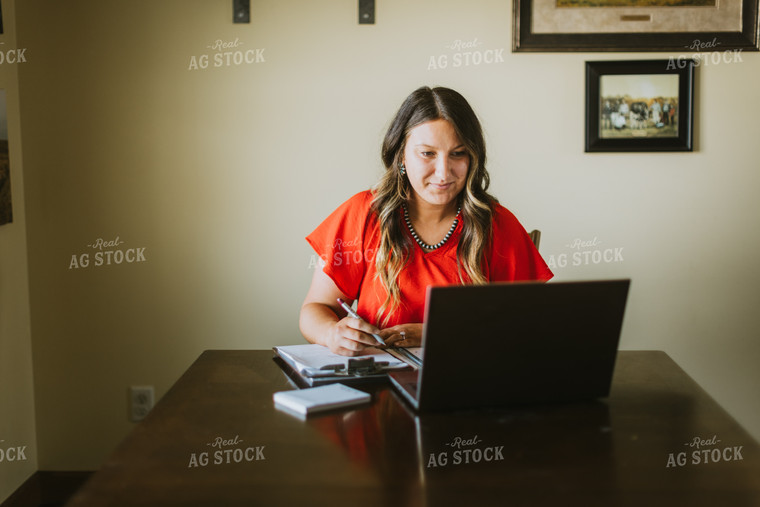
(312, 365)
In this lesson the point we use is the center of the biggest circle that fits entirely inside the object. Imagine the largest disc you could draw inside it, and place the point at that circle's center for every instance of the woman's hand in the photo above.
(350, 336)
(322, 319)
(403, 335)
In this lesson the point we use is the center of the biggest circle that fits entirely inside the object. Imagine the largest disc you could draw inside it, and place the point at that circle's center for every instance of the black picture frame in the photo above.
(642, 126)
(6, 202)
(525, 40)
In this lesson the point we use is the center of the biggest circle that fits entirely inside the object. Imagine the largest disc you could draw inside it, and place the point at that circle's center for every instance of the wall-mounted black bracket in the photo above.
(366, 12)
(241, 11)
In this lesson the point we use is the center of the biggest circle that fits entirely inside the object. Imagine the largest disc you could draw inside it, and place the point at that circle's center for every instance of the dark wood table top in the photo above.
(216, 439)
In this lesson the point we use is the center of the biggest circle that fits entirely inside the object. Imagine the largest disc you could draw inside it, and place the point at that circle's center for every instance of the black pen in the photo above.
(356, 316)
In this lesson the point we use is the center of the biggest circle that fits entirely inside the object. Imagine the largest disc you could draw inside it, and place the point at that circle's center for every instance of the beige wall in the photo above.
(17, 428)
(219, 173)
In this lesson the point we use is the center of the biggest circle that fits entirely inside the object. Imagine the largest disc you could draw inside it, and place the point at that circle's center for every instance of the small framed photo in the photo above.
(640, 105)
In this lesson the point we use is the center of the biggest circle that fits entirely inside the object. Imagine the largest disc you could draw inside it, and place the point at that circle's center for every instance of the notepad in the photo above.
(311, 356)
(317, 399)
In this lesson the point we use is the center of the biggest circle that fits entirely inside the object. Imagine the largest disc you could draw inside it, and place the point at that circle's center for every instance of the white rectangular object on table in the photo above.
(316, 399)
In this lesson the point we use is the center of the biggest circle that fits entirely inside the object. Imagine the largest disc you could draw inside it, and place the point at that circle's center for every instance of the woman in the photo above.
(429, 221)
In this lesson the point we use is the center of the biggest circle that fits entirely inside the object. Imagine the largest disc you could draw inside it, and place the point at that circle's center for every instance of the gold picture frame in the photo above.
(634, 25)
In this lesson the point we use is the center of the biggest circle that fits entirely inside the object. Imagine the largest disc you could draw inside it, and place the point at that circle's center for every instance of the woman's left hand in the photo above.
(403, 335)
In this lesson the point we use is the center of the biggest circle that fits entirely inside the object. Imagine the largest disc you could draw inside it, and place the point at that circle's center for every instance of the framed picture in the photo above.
(635, 25)
(6, 205)
(641, 105)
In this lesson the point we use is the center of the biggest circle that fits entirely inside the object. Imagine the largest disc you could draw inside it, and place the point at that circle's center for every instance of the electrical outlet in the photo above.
(140, 402)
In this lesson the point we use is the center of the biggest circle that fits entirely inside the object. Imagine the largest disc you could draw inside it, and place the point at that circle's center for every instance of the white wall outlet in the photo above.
(140, 402)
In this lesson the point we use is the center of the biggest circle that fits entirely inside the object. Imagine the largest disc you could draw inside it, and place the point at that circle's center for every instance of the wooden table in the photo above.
(216, 439)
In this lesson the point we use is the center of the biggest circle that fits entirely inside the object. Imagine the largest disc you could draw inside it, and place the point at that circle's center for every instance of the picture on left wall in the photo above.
(6, 206)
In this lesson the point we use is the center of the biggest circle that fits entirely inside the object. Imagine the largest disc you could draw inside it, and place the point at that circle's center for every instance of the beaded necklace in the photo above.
(422, 243)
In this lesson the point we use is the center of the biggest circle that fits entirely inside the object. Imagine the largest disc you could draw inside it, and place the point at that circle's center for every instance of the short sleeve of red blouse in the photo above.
(340, 241)
(512, 255)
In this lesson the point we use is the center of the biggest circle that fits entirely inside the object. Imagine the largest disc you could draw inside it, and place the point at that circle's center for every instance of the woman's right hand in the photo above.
(323, 321)
(350, 337)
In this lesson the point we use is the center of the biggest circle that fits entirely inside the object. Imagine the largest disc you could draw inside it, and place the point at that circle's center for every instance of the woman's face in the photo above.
(436, 162)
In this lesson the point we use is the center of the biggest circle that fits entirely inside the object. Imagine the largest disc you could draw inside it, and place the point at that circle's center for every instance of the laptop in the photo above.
(513, 343)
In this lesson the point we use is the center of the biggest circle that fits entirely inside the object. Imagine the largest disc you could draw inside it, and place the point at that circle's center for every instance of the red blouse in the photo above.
(348, 239)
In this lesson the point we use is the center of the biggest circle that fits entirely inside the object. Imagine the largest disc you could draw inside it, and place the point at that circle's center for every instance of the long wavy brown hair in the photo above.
(393, 190)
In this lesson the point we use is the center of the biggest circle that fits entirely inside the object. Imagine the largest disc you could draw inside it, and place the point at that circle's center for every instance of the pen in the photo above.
(356, 316)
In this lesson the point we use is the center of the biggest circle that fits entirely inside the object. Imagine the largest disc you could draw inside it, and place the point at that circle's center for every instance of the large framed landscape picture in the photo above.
(635, 25)
(644, 105)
